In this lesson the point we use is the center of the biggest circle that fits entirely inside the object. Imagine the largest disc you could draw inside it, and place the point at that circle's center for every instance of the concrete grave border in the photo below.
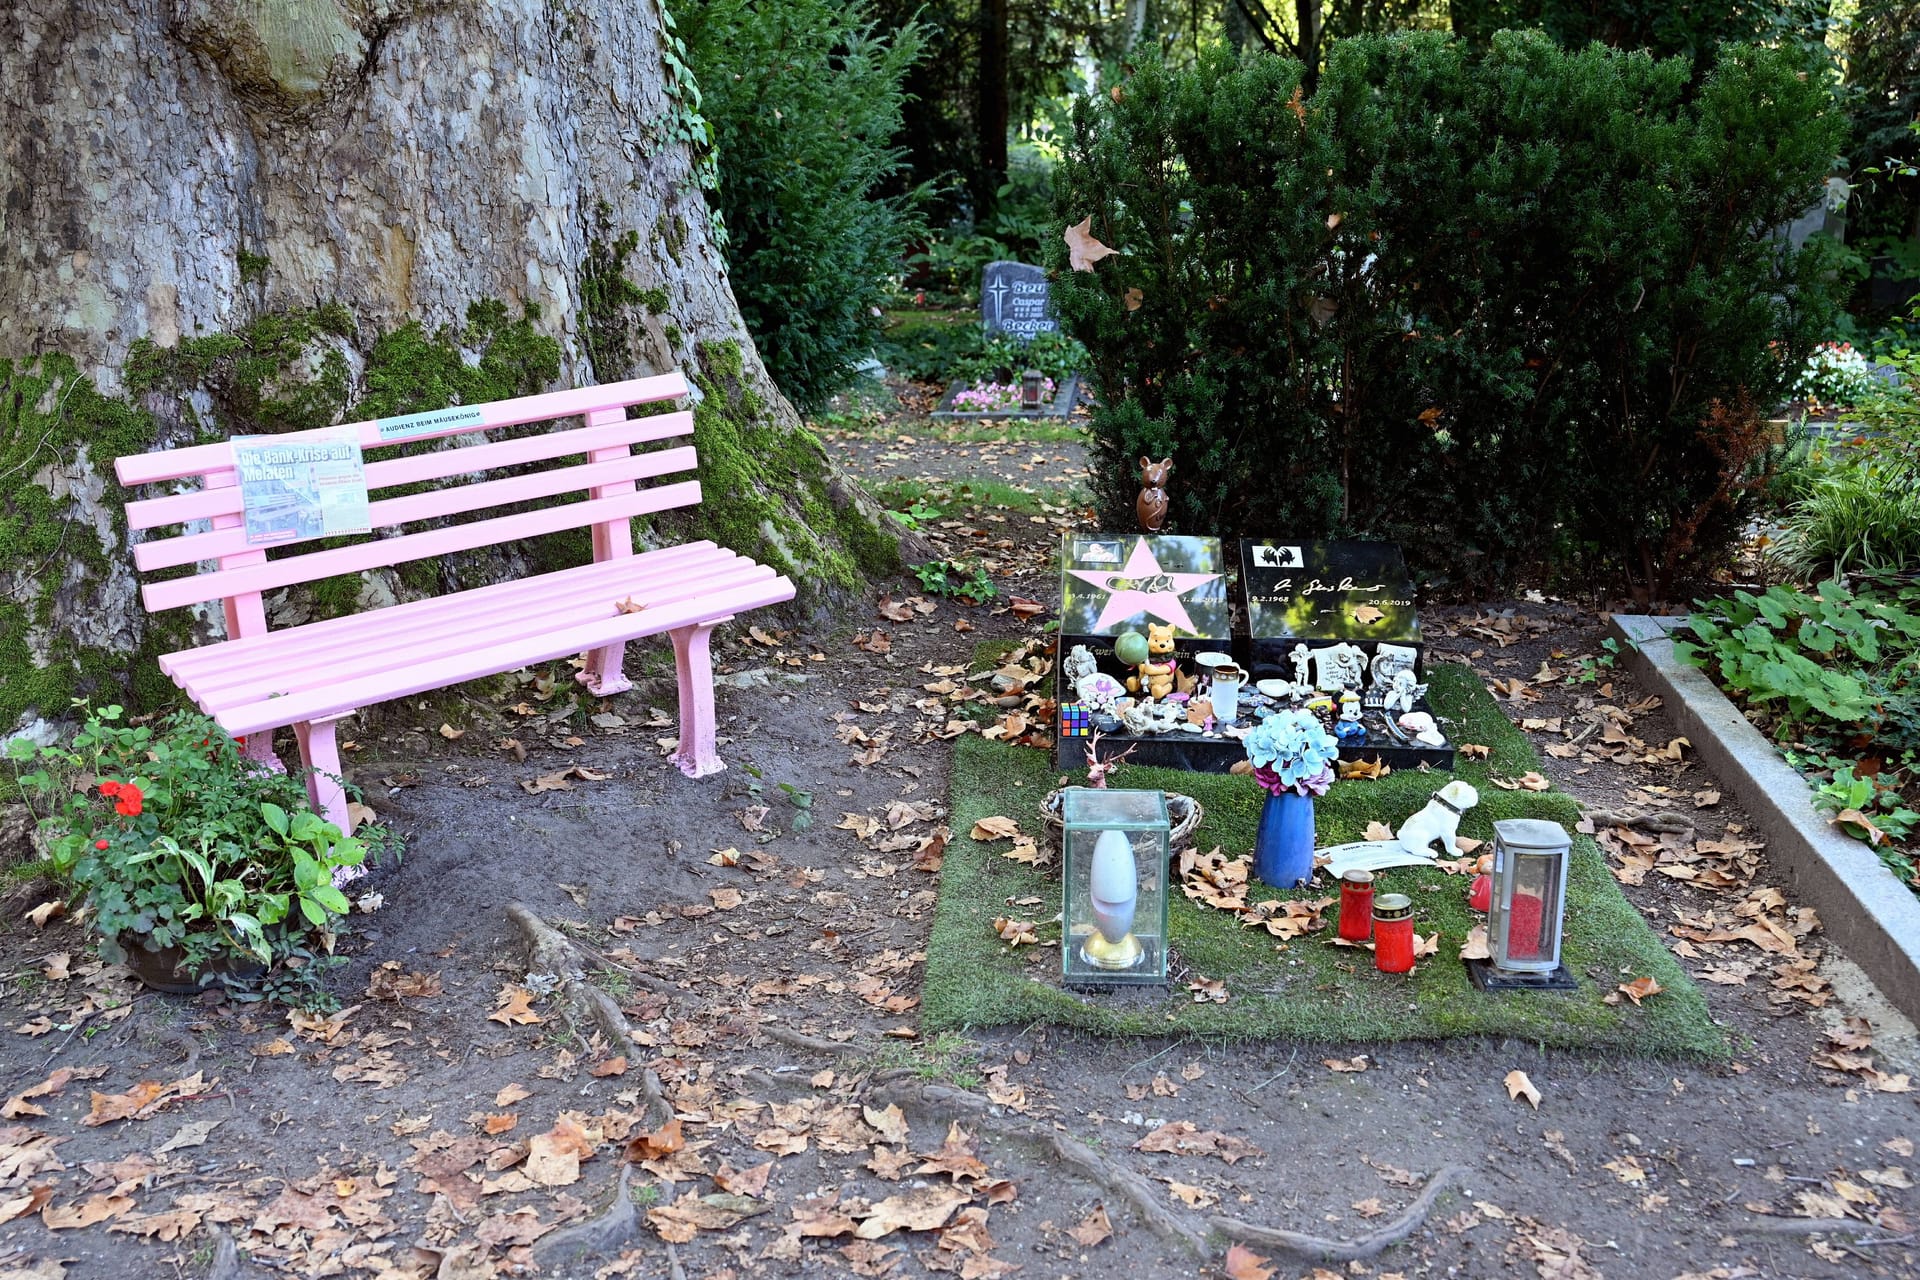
(1863, 906)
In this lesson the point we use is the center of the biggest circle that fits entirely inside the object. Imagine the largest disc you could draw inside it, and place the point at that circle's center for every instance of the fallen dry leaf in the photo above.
(1242, 1263)
(1083, 251)
(1518, 1086)
(1015, 932)
(921, 1209)
(1356, 1063)
(45, 912)
(84, 1213)
(1636, 990)
(995, 828)
(145, 1099)
(1093, 1228)
(513, 1007)
(1183, 1137)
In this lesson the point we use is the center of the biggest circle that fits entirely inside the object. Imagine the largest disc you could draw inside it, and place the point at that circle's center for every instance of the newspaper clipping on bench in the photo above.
(301, 485)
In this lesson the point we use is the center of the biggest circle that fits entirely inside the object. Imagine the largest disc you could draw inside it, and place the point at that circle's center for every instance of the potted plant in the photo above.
(194, 865)
(1292, 756)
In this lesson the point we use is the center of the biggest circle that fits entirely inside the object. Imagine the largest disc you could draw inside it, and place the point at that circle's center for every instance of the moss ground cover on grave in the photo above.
(1312, 990)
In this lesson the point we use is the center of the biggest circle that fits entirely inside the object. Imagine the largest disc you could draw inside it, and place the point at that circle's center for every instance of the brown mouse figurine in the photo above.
(1151, 505)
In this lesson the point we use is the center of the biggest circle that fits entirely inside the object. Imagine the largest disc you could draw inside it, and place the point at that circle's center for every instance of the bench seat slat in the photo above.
(192, 548)
(201, 587)
(197, 460)
(449, 623)
(311, 639)
(205, 504)
(441, 670)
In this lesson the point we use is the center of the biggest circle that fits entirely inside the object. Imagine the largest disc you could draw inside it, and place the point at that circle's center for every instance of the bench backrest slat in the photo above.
(605, 473)
(177, 464)
(437, 503)
(205, 504)
(178, 592)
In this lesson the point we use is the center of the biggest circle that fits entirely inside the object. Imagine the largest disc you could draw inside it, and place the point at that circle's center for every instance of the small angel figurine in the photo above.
(1403, 693)
(1301, 658)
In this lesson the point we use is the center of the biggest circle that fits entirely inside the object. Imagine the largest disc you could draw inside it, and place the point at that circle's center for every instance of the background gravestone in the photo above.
(1013, 299)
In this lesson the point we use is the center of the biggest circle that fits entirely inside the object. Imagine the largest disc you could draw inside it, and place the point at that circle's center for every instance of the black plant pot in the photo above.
(165, 968)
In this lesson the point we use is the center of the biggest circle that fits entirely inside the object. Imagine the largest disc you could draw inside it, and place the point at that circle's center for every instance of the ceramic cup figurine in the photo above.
(1151, 506)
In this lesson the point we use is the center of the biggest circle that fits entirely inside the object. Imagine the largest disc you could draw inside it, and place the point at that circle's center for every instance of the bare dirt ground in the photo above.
(774, 1111)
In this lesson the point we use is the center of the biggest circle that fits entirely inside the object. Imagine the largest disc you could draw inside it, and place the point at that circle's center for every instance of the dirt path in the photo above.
(445, 1126)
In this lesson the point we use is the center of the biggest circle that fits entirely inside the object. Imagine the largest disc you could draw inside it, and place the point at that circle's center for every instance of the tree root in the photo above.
(1178, 1228)
(602, 1233)
(1146, 1201)
(1321, 1249)
(551, 952)
(1666, 821)
(800, 1040)
(1818, 1227)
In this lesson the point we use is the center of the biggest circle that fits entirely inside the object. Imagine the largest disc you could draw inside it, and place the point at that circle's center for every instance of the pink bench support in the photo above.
(310, 677)
(695, 754)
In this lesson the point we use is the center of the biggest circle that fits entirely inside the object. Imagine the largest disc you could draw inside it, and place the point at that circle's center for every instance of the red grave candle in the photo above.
(1393, 933)
(1480, 892)
(1356, 905)
(1523, 927)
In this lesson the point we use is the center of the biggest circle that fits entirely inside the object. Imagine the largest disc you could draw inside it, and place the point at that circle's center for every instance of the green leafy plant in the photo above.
(804, 98)
(916, 516)
(176, 841)
(1003, 358)
(1589, 669)
(1856, 503)
(1405, 306)
(957, 579)
(802, 802)
(1833, 676)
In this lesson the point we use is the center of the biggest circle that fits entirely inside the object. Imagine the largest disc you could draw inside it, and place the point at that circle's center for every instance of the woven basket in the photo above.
(1184, 812)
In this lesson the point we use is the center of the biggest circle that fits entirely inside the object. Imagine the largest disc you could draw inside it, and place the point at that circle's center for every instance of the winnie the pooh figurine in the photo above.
(1157, 674)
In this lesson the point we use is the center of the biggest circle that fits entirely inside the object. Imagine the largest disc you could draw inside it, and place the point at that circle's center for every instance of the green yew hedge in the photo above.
(1517, 308)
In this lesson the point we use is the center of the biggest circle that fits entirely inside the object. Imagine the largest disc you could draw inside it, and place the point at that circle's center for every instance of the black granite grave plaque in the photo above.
(1013, 300)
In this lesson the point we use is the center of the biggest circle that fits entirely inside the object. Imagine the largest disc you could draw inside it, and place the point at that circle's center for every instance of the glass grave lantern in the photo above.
(1527, 912)
(1114, 877)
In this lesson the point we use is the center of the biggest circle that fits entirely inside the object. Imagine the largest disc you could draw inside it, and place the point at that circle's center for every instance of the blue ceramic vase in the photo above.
(1283, 848)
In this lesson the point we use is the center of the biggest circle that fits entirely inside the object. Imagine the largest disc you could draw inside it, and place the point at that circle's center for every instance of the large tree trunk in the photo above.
(172, 169)
(991, 106)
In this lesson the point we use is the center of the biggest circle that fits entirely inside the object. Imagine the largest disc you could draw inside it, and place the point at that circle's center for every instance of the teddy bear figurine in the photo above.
(1157, 675)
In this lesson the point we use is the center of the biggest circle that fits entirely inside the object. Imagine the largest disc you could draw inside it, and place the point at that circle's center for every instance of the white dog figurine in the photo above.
(1412, 845)
(1440, 820)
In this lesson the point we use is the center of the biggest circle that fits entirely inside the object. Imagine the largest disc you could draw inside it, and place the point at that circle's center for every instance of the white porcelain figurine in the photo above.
(1113, 892)
(1403, 693)
(1340, 666)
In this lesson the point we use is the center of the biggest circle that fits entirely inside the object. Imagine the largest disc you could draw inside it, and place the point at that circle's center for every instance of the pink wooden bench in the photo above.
(311, 676)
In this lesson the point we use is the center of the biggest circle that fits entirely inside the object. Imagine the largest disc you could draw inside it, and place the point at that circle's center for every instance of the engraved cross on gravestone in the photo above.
(1014, 300)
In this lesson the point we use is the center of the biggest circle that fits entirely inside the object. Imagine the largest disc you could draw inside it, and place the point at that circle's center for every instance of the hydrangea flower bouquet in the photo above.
(1292, 757)
(1290, 751)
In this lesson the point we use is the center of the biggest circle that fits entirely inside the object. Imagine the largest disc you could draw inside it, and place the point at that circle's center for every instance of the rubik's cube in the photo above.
(1076, 721)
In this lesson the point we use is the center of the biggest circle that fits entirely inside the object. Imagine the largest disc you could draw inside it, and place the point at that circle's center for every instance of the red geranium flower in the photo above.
(130, 799)
(109, 788)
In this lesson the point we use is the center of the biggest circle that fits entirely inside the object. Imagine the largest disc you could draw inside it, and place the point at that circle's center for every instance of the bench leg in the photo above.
(696, 756)
(603, 676)
(257, 749)
(321, 756)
